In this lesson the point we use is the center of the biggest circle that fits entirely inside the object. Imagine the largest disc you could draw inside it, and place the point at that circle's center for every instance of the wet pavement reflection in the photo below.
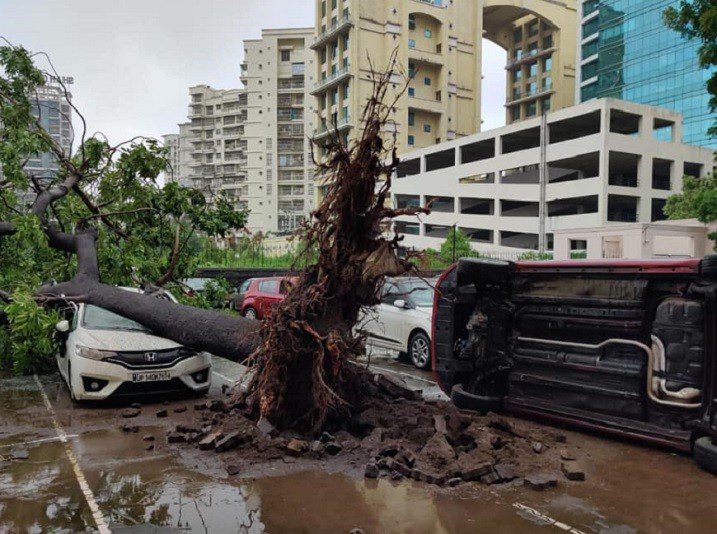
(630, 489)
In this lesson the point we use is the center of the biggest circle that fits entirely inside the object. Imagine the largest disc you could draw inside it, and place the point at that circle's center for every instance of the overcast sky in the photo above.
(133, 60)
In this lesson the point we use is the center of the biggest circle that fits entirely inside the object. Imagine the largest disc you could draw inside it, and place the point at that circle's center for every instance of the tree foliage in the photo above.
(455, 246)
(698, 200)
(144, 231)
(697, 19)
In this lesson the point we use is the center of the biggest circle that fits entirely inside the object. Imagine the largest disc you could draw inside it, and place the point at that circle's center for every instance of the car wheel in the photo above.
(250, 313)
(69, 382)
(704, 452)
(419, 349)
(709, 266)
(468, 401)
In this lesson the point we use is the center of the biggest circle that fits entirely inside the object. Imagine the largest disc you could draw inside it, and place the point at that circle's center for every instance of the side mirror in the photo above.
(400, 303)
(63, 326)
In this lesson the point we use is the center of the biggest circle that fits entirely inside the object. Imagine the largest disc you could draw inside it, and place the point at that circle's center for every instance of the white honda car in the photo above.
(105, 354)
(402, 321)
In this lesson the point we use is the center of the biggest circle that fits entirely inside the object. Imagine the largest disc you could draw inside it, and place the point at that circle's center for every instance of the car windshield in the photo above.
(197, 284)
(96, 318)
(418, 292)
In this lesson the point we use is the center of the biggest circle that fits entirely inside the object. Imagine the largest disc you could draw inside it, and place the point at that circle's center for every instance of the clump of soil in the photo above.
(396, 434)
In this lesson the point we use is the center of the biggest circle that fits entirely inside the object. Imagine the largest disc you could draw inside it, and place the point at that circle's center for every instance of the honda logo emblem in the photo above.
(150, 356)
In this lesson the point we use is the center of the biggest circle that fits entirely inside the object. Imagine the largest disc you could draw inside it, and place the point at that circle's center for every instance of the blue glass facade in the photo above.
(627, 52)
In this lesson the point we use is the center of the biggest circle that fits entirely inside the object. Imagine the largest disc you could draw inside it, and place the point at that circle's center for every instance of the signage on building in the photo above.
(65, 80)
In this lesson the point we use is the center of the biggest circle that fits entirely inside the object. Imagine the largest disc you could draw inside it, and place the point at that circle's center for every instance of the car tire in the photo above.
(69, 383)
(704, 451)
(419, 350)
(708, 267)
(468, 401)
(250, 313)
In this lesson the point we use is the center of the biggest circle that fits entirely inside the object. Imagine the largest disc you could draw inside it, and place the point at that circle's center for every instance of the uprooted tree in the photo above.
(302, 356)
(103, 199)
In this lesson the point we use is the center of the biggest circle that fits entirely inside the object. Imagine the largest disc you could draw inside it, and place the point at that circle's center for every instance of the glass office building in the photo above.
(627, 52)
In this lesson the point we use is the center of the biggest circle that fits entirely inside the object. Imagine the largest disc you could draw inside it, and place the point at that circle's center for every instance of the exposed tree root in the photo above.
(303, 375)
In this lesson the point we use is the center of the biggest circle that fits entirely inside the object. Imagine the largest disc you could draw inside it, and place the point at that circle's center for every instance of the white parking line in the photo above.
(547, 519)
(79, 475)
(405, 375)
(34, 441)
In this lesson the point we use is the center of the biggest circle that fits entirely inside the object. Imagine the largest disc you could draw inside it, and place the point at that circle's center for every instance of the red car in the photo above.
(256, 296)
(624, 347)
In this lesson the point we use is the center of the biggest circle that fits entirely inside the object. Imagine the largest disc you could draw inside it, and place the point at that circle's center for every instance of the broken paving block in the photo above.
(230, 441)
(572, 470)
(174, 437)
(371, 470)
(162, 413)
(297, 447)
(131, 412)
(540, 481)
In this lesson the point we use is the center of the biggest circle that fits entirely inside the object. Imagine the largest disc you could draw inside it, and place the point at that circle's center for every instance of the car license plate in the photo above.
(151, 376)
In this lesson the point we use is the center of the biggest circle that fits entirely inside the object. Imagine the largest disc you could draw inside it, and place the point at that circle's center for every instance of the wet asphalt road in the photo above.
(68, 468)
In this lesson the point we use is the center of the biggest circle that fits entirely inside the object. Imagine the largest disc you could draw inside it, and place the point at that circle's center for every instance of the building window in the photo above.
(545, 104)
(411, 118)
(533, 28)
(516, 93)
(333, 4)
(411, 70)
(346, 42)
(427, 80)
(531, 88)
(428, 33)
(533, 69)
(346, 91)
(518, 34)
(427, 128)
(411, 43)
(411, 140)
(531, 109)
(334, 97)
(533, 48)
(411, 91)
(322, 55)
(323, 8)
(334, 50)
(547, 64)
(286, 55)
(411, 21)
(547, 42)
(547, 83)
(515, 113)
(518, 75)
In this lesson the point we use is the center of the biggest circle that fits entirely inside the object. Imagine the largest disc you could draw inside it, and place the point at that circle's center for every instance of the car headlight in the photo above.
(94, 354)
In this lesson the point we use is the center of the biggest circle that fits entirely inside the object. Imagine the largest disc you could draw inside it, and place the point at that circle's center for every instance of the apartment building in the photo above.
(280, 188)
(53, 111)
(217, 151)
(599, 163)
(439, 46)
(626, 51)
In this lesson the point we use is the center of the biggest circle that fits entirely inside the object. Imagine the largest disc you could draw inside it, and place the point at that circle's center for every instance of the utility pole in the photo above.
(543, 180)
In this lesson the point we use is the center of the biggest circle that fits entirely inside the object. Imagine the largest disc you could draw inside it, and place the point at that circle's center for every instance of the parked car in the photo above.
(104, 354)
(624, 347)
(256, 296)
(196, 286)
(402, 321)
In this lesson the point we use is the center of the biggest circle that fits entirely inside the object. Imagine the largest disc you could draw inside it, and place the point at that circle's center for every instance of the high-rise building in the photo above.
(439, 45)
(54, 113)
(280, 186)
(626, 51)
(171, 143)
(217, 151)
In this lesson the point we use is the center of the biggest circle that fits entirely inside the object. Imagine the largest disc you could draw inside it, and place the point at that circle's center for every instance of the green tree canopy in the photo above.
(455, 246)
(144, 230)
(697, 19)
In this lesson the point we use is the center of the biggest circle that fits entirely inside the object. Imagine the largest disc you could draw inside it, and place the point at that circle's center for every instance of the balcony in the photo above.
(324, 130)
(331, 80)
(332, 31)
(425, 104)
(436, 3)
(527, 57)
(525, 96)
(431, 57)
(286, 84)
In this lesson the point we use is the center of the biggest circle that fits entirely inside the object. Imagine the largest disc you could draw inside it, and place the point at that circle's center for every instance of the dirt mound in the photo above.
(396, 434)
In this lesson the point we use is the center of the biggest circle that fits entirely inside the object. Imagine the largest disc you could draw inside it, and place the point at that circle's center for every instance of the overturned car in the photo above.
(623, 347)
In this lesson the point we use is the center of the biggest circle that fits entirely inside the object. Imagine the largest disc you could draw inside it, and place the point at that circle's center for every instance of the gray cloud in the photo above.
(133, 60)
